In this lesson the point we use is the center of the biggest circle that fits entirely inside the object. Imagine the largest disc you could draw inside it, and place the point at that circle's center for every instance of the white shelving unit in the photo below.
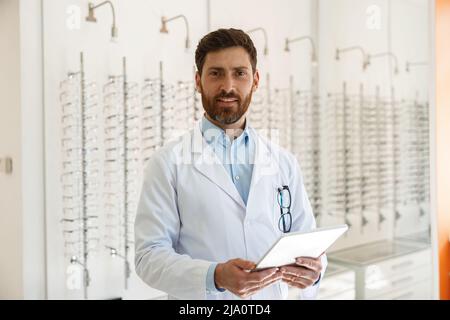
(389, 270)
(338, 284)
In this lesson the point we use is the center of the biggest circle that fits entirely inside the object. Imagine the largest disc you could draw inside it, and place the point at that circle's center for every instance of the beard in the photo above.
(226, 115)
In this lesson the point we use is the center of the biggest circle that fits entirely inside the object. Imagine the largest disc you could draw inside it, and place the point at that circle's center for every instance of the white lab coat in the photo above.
(190, 215)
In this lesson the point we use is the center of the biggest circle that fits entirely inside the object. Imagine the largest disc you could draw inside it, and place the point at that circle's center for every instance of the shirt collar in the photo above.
(215, 134)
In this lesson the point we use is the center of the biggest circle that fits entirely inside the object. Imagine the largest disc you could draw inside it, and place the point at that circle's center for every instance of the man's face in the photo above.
(226, 84)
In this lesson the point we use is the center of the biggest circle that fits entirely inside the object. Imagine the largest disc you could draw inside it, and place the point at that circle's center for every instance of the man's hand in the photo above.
(234, 276)
(303, 274)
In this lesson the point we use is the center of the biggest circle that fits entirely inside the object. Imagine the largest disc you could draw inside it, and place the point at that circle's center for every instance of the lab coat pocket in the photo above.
(276, 214)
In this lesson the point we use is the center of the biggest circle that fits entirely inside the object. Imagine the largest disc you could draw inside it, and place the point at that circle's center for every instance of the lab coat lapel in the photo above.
(206, 161)
(265, 162)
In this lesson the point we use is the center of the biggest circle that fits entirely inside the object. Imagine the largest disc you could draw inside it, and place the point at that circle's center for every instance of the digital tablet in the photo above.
(300, 244)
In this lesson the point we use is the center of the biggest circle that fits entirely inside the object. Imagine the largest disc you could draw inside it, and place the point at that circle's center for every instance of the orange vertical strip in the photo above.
(442, 57)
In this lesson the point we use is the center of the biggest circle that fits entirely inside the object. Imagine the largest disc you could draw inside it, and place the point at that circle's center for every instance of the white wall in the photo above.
(33, 185)
(403, 31)
(281, 19)
(22, 233)
(11, 264)
(410, 40)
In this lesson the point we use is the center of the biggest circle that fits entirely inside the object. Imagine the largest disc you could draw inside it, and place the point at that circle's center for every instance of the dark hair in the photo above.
(222, 39)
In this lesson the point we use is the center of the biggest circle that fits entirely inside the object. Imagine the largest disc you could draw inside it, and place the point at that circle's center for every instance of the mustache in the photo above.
(227, 95)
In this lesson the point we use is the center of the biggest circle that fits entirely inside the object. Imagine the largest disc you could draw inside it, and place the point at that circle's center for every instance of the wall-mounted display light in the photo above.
(91, 17)
(386, 54)
(266, 47)
(366, 60)
(164, 29)
(311, 41)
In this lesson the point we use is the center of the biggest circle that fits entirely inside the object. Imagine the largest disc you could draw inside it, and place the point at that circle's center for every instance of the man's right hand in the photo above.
(235, 277)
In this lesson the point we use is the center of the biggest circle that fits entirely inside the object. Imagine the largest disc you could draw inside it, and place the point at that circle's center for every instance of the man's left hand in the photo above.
(303, 274)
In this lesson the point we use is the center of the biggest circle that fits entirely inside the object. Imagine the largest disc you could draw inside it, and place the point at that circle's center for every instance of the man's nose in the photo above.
(227, 84)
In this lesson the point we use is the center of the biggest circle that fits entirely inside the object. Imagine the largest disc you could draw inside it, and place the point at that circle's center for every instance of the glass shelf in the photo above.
(422, 237)
(375, 252)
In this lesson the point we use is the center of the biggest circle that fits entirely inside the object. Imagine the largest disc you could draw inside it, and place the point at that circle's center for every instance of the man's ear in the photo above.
(198, 82)
(255, 81)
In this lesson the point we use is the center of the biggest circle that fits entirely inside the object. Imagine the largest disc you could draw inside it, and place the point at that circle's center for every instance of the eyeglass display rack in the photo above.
(411, 139)
(151, 136)
(362, 152)
(280, 116)
(305, 144)
(259, 114)
(378, 157)
(423, 148)
(293, 120)
(376, 121)
(80, 164)
(122, 111)
(178, 105)
(135, 123)
(415, 147)
(169, 110)
(338, 118)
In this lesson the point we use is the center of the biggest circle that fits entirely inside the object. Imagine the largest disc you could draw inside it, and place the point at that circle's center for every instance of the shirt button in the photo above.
(237, 177)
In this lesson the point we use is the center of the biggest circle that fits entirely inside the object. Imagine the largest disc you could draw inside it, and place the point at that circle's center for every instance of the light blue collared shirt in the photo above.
(237, 157)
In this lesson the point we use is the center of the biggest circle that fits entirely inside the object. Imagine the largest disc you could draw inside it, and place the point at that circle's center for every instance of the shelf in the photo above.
(375, 252)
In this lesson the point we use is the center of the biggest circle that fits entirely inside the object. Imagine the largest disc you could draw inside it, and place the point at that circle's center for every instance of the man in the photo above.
(215, 201)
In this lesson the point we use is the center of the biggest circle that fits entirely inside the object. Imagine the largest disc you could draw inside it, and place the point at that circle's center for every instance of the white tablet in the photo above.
(300, 244)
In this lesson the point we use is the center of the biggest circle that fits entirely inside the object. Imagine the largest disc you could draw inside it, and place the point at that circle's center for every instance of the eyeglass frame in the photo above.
(282, 214)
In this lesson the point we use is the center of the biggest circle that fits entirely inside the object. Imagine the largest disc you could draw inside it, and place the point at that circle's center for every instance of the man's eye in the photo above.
(241, 73)
(213, 73)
